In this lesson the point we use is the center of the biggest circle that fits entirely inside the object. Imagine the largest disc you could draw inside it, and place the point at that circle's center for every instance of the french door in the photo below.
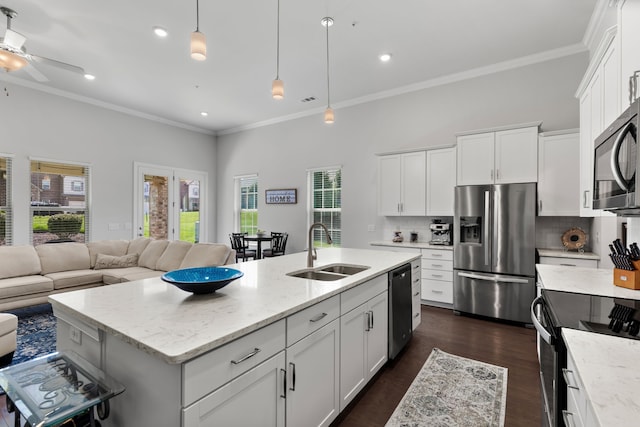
(169, 203)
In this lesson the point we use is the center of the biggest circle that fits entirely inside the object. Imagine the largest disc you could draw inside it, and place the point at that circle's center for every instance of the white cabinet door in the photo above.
(389, 185)
(414, 191)
(475, 159)
(516, 155)
(363, 345)
(441, 181)
(559, 175)
(313, 382)
(586, 157)
(401, 184)
(629, 32)
(255, 398)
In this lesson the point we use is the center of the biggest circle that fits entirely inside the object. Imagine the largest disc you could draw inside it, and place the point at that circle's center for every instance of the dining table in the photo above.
(259, 238)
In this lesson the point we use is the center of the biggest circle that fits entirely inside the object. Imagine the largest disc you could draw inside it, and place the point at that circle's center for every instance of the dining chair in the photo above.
(278, 245)
(241, 247)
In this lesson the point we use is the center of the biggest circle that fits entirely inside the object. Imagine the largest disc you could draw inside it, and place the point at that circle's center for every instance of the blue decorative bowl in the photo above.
(202, 280)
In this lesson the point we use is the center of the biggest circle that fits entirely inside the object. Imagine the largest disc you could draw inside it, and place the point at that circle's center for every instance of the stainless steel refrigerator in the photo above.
(494, 250)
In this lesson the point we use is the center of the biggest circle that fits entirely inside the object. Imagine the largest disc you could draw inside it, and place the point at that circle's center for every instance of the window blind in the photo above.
(6, 211)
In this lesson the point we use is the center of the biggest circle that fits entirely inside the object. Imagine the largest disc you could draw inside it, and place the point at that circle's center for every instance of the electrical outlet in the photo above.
(75, 335)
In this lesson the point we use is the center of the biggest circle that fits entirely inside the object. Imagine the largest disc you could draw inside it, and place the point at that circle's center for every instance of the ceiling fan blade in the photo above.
(35, 74)
(59, 64)
(13, 39)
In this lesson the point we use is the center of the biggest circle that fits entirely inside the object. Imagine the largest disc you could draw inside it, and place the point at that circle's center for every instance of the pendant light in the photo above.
(277, 87)
(328, 113)
(198, 39)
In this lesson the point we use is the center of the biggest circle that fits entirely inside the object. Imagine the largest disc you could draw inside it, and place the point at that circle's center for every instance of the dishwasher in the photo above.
(400, 322)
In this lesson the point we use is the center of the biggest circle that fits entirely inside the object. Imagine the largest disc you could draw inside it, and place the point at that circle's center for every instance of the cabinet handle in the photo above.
(318, 317)
(491, 174)
(293, 376)
(416, 294)
(416, 315)
(284, 383)
(585, 199)
(435, 255)
(565, 374)
(436, 291)
(371, 317)
(497, 173)
(568, 418)
(569, 265)
(436, 275)
(436, 265)
(247, 356)
(368, 327)
(539, 205)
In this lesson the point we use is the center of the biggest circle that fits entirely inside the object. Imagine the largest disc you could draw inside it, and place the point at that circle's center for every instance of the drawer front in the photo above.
(428, 274)
(416, 266)
(436, 264)
(569, 262)
(416, 311)
(437, 254)
(575, 389)
(206, 373)
(309, 320)
(354, 297)
(437, 290)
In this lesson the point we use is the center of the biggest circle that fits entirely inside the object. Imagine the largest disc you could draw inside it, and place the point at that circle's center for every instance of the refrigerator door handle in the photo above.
(497, 279)
(485, 233)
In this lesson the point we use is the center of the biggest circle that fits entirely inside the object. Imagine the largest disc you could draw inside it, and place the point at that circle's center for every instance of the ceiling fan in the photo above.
(14, 56)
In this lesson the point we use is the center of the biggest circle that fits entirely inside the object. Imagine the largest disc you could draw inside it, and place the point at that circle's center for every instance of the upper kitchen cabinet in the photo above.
(559, 173)
(600, 104)
(402, 184)
(441, 181)
(629, 40)
(501, 156)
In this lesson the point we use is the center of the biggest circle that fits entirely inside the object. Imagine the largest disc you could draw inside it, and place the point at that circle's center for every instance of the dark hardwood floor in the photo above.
(499, 343)
(502, 344)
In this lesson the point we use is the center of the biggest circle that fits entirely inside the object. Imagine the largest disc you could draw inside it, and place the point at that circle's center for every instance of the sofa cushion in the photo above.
(137, 245)
(116, 275)
(110, 261)
(25, 285)
(18, 261)
(69, 279)
(56, 257)
(150, 255)
(142, 275)
(107, 247)
(205, 255)
(173, 255)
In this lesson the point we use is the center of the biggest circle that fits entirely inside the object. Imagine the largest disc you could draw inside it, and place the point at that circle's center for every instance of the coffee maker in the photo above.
(440, 233)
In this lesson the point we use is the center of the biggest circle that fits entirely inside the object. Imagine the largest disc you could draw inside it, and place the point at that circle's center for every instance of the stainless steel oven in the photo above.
(554, 310)
(616, 159)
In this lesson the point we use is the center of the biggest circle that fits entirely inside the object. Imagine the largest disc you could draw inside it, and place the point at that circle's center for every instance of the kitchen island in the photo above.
(183, 356)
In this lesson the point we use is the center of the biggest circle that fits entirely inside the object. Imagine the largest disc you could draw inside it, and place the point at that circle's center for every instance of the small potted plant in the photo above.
(260, 232)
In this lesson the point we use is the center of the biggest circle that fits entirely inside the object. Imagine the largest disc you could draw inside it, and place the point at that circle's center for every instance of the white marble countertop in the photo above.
(561, 253)
(608, 367)
(177, 326)
(580, 280)
(406, 244)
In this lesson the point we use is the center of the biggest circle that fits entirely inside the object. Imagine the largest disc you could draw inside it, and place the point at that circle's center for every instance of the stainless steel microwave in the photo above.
(616, 182)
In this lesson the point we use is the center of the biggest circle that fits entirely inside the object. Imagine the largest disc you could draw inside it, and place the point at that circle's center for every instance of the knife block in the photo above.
(629, 279)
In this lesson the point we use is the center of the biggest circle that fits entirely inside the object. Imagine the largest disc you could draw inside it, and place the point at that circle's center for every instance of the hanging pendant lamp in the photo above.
(328, 113)
(198, 39)
(277, 87)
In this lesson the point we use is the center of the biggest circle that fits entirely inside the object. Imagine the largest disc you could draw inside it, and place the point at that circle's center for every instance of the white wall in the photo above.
(46, 126)
(281, 153)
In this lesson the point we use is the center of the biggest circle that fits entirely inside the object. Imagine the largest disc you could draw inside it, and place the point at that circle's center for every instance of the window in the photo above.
(326, 204)
(6, 213)
(59, 202)
(247, 204)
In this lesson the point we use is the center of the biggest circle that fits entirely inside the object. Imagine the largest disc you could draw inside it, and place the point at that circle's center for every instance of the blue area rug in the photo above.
(36, 332)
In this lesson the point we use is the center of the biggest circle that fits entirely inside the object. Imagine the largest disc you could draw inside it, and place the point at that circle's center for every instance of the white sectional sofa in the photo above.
(28, 274)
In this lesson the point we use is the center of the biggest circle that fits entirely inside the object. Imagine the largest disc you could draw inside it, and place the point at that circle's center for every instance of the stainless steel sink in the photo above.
(346, 269)
(316, 275)
(329, 272)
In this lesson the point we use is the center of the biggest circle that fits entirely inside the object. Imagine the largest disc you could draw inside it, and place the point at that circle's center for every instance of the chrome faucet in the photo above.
(312, 254)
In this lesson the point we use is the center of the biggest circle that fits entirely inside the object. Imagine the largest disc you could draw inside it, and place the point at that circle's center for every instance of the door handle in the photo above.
(544, 334)
(284, 383)
(293, 376)
(487, 201)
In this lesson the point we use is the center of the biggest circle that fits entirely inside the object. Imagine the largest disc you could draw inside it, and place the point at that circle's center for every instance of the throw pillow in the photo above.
(112, 261)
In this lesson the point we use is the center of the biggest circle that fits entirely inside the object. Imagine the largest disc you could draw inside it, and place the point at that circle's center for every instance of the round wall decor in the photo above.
(574, 238)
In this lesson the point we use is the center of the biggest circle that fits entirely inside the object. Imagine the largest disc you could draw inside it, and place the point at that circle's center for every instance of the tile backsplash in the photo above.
(549, 230)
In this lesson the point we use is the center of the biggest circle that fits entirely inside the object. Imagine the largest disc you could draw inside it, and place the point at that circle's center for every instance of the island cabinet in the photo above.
(416, 293)
(313, 365)
(498, 157)
(402, 184)
(363, 336)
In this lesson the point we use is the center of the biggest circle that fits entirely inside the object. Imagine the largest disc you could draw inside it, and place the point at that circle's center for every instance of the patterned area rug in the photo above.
(36, 332)
(451, 391)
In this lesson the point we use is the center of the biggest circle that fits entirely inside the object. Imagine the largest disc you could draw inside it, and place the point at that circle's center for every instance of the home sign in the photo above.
(281, 197)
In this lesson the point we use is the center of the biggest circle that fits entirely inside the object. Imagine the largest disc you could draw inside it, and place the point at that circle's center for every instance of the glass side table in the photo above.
(52, 389)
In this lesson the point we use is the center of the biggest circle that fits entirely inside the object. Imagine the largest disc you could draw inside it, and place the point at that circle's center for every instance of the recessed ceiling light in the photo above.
(89, 77)
(160, 32)
(385, 57)
(204, 114)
